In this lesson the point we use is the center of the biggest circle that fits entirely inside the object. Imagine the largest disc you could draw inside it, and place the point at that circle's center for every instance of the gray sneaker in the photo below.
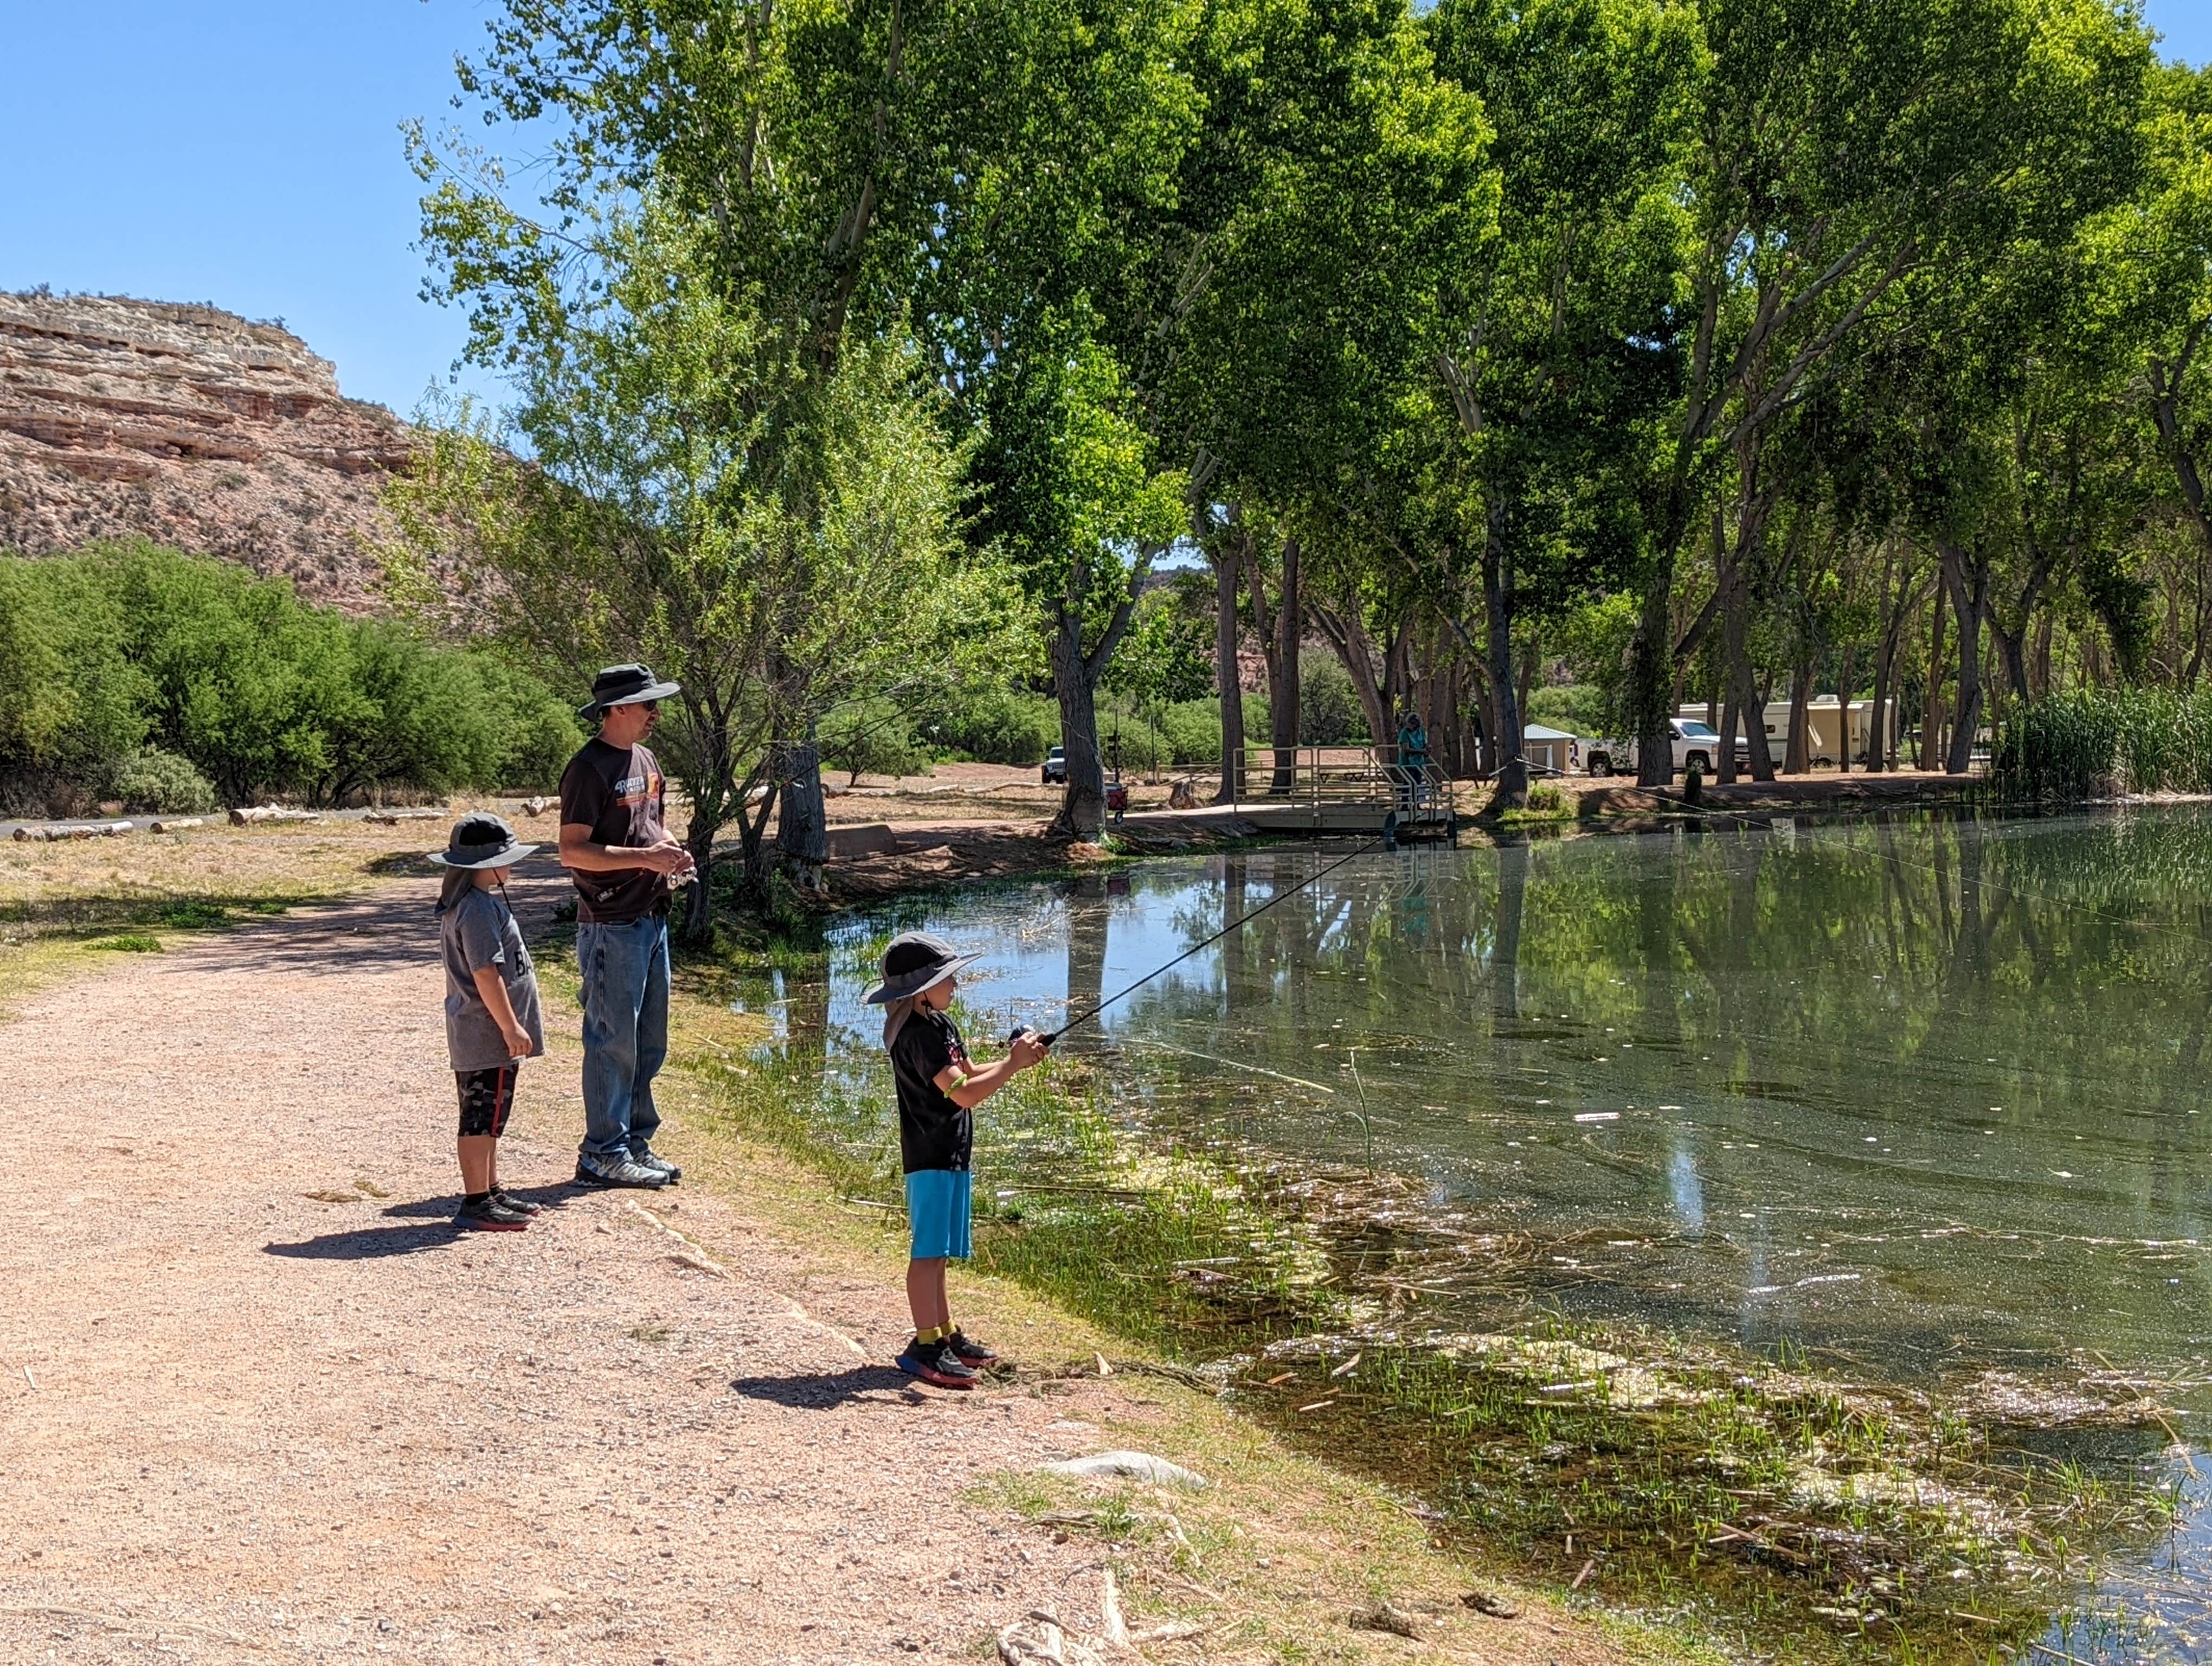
(646, 1157)
(618, 1171)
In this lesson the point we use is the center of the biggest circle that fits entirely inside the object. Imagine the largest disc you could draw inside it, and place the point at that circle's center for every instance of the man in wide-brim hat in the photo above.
(622, 858)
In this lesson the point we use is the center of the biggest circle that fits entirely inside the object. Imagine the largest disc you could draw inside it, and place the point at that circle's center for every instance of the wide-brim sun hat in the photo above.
(914, 960)
(625, 685)
(481, 841)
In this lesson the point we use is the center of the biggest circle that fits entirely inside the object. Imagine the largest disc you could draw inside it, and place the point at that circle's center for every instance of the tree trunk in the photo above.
(1931, 709)
(1651, 678)
(1796, 753)
(1968, 593)
(1735, 628)
(802, 832)
(1227, 682)
(1283, 672)
(1355, 651)
(1885, 668)
(1498, 611)
(1843, 717)
(1083, 806)
(1724, 765)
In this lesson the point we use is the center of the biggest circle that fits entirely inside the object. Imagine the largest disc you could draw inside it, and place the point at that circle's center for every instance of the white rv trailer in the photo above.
(1823, 743)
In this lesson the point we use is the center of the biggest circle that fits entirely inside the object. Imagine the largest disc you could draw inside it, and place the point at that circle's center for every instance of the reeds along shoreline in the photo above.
(1671, 1473)
(2104, 743)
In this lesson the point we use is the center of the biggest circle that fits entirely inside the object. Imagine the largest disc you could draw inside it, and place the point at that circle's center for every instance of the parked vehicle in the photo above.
(1056, 766)
(1695, 742)
(1825, 740)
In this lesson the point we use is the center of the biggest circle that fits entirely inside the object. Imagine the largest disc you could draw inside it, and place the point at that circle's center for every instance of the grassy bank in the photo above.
(1723, 1496)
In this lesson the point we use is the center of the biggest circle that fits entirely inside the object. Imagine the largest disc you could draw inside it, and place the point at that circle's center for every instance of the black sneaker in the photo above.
(618, 1171)
(489, 1214)
(970, 1351)
(646, 1157)
(934, 1363)
(521, 1206)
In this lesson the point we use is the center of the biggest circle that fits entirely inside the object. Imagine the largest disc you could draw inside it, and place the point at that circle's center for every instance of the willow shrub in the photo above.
(166, 680)
(2100, 743)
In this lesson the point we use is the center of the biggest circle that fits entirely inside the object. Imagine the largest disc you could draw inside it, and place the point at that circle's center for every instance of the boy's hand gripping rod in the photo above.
(1048, 1037)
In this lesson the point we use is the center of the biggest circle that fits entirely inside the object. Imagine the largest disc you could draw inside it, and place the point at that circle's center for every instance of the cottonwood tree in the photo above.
(1072, 493)
(1843, 147)
(775, 536)
(1553, 349)
(949, 171)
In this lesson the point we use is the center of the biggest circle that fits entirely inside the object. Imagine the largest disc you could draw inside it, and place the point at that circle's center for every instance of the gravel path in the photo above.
(237, 1423)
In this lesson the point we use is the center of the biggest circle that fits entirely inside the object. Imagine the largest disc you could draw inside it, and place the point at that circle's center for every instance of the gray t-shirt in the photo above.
(479, 931)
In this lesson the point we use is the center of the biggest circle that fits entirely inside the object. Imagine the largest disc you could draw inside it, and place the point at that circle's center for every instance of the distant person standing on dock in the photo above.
(939, 1090)
(623, 858)
(1412, 757)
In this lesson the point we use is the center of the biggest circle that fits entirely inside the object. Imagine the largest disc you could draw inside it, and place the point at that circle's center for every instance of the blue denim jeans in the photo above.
(625, 975)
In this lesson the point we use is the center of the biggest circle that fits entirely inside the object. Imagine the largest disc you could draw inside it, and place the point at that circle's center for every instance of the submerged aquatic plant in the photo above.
(1661, 1473)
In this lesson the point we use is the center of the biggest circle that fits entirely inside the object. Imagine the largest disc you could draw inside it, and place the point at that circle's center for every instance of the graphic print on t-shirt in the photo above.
(617, 792)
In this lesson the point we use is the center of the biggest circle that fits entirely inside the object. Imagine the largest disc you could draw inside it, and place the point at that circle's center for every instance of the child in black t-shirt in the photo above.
(939, 1090)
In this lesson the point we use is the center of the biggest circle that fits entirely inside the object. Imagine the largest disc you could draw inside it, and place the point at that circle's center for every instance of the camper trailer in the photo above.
(1824, 740)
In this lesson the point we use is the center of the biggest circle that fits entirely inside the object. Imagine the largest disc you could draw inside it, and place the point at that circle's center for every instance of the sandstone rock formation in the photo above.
(193, 427)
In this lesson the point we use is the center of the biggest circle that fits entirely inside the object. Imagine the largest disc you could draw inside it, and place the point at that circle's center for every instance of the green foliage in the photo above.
(872, 736)
(1576, 708)
(1168, 654)
(995, 726)
(1191, 729)
(1329, 714)
(154, 782)
(71, 701)
(2100, 743)
(178, 682)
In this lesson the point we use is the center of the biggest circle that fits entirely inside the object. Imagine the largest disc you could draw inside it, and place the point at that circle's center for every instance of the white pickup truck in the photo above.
(1694, 743)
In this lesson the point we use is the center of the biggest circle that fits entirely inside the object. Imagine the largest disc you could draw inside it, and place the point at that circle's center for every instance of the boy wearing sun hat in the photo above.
(492, 1015)
(939, 1090)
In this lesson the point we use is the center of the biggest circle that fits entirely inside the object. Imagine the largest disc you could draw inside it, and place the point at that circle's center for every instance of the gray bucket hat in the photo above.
(916, 961)
(480, 840)
(625, 685)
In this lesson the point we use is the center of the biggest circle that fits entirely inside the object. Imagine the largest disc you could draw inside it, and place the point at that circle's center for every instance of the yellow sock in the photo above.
(933, 1334)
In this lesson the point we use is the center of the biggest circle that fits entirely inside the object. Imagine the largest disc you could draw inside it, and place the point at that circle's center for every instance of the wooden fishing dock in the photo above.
(1327, 790)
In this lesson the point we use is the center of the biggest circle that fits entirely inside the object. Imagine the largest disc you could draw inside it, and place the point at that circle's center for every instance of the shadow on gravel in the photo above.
(819, 1391)
(368, 1243)
(548, 1198)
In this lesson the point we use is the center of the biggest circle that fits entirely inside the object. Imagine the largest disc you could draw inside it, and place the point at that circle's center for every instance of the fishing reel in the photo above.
(1045, 1037)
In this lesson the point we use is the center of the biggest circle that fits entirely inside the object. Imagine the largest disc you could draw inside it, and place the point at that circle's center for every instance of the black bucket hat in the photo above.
(914, 962)
(481, 841)
(624, 685)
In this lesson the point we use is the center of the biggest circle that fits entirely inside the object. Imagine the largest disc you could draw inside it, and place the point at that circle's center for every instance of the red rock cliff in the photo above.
(193, 427)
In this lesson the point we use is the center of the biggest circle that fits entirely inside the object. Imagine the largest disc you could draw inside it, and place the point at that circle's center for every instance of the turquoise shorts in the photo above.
(937, 1203)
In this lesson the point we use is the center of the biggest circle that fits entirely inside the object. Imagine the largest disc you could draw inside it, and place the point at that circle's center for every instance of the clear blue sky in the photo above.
(247, 152)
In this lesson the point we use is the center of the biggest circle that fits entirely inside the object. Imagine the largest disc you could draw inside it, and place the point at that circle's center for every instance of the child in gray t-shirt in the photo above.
(492, 1017)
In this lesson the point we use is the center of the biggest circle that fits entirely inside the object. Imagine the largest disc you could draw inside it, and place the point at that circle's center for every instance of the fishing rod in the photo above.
(1049, 1036)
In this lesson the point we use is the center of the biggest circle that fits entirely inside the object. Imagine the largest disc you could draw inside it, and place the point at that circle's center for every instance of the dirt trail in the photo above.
(237, 1423)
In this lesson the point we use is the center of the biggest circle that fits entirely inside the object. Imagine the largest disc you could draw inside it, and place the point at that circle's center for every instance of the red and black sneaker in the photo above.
(970, 1351)
(936, 1364)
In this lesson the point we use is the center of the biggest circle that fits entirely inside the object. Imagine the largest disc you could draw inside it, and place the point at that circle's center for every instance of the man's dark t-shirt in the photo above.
(618, 793)
(934, 1133)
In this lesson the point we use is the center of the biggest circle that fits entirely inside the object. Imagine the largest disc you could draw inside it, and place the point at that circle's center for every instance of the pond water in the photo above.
(1923, 1099)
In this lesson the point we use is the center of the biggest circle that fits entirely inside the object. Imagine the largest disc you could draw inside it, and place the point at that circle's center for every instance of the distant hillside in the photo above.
(193, 427)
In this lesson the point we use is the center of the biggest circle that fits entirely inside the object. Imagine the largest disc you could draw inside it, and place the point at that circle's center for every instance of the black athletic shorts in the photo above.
(486, 1097)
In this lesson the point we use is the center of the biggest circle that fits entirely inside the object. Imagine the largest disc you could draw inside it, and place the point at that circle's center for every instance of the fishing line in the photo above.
(1232, 1064)
(1051, 1036)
